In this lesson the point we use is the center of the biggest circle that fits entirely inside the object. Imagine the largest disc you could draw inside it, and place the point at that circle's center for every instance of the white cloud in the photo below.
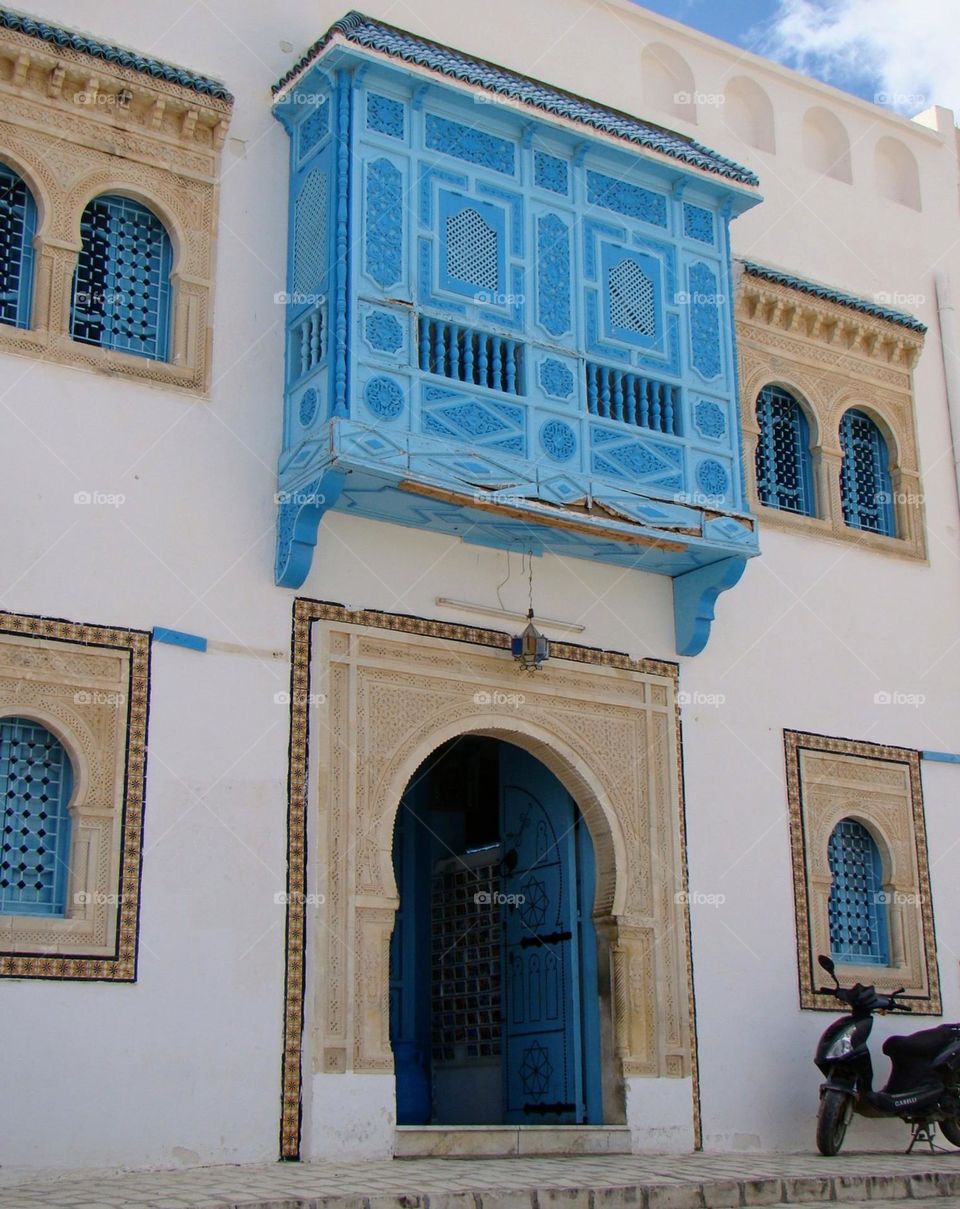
(906, 50)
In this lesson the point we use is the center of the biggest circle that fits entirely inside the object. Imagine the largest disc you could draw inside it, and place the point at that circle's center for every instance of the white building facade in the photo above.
(298, 861)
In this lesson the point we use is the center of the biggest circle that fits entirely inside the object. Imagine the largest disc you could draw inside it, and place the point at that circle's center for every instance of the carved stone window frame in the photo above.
(371, 695)
(75, 127)
(829, 780)
(88, 685)
(831, 358)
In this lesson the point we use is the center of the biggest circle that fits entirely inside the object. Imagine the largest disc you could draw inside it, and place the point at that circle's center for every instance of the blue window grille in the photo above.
(472, 245)
(857, 906)
(121, 288)
(865, 484)
(36, 780)
(632, 296)
(784, 472)
(18, 224)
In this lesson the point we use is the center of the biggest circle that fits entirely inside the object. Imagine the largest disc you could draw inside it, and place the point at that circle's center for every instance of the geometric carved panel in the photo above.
(89, 686)
(378, 692)
(831, 358)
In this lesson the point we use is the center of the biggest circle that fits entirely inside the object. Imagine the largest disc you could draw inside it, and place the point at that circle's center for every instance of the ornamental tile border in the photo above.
(305, 612)
(122, 966)
(924, 978)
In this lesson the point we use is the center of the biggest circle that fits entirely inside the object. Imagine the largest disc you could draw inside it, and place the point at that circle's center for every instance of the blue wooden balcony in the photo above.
(510, 322)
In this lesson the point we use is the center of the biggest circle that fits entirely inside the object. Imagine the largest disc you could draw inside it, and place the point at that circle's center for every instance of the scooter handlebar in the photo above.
(866, 997)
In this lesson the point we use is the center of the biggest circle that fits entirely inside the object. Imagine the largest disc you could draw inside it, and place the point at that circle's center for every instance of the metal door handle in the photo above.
(550, 939)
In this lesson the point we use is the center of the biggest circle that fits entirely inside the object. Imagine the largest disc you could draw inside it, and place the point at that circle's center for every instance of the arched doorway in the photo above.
(494, 1006)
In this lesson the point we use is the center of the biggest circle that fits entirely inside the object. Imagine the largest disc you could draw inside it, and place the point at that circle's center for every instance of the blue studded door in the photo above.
(542, 972)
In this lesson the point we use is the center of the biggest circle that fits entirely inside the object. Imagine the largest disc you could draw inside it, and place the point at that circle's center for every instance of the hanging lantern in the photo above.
(530, 648)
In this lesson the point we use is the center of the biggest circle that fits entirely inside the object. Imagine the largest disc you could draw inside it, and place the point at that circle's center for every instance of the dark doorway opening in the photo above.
(493, 975)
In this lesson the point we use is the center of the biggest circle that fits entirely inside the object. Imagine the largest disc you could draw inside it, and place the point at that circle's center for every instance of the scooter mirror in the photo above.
(826, 963)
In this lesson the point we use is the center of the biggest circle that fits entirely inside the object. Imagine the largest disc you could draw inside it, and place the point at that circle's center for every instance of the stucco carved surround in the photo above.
(373, 695)
(74, 127)
(831, 358)
(88, 685)
(829, 780)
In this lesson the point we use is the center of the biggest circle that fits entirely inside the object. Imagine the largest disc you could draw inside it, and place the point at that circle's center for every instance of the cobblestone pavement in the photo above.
(589, 1182)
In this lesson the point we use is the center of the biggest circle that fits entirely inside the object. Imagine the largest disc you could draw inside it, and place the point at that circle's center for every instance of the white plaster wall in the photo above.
(658, 1113)
(184, 1065)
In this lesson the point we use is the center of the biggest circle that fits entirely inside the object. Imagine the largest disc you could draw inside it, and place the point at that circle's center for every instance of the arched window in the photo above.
(36, 779)
(784, 474)
(18, 224)
(865, 484)
(121, 288)
(857, 907)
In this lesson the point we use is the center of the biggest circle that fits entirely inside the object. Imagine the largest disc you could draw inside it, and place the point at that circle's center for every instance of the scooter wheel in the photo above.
(832, 1119)
(951, 1131)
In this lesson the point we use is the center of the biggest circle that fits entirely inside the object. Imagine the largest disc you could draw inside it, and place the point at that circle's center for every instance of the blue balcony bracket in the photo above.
(694, 600)
(301, 511)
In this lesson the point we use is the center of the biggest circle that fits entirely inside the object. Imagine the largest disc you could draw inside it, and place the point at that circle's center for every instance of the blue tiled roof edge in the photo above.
(829, 294)
(58, 36)
(375, 35)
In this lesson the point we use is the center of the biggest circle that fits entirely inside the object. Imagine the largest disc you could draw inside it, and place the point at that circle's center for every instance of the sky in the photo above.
(898, 53)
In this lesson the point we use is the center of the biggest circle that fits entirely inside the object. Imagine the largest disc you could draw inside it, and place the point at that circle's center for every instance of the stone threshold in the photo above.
(507, 1141)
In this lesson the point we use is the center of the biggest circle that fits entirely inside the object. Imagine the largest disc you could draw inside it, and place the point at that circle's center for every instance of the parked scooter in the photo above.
(924, 1085)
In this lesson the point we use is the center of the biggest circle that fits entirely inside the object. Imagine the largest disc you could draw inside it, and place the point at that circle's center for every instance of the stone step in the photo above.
(509, 1141)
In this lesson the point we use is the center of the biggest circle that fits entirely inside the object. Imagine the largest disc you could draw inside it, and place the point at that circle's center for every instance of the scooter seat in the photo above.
(925, 1044)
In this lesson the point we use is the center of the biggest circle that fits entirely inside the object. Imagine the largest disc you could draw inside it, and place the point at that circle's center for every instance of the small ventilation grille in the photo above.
(632, 299)
(465, 355)
(472, 250)
(310, 234)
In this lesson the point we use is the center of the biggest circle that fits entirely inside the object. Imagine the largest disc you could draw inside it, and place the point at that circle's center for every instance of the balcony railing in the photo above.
(307, 339)
(467, 355)
(615, 394)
